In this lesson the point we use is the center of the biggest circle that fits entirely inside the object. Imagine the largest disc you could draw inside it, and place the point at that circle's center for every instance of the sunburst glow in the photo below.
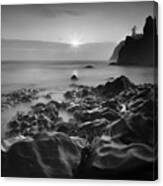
(75, 43)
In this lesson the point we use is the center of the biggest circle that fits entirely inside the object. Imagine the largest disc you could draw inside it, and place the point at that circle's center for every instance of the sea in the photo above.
(56, 77)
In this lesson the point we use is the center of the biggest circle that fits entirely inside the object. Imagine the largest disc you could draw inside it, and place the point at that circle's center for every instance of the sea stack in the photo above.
(74, 76)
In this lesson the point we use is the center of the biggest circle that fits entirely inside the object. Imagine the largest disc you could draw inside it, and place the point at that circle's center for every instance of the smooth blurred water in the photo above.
(54, 76)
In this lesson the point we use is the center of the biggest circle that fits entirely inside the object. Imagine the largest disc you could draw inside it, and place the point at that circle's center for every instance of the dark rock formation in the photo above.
(111, 89)
(90, 129)
(116, 160)
(113, 59)
(139, 49)
(112, 135)
(89, 66)
(74, 77)
(42, 117)
(14, 98)
(50, 155)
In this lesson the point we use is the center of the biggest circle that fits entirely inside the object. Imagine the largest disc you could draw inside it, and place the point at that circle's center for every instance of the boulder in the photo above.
(111, 89)
(74, 77)
(89, 66)
(119, 161)
(50, 155)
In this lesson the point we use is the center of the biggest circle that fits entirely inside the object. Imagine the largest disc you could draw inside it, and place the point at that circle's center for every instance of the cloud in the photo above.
(44, 10)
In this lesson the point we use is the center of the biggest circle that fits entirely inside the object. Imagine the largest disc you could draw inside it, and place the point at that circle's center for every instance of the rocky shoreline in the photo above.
(14, 98)
(112, 135)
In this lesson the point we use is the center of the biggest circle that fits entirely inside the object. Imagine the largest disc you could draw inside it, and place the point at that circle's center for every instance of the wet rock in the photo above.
(111, 89)
(110, 114)
(84, 92)
(90, 129)
(96, 113)
(119, 161)
(80, 142)
(74, 77)
(48, 96)
(112, 103)
(145, 92)
(53, 103)
(79, 92)
(39, 107)
(89, 66)
(134, 104)
(20, 96)
(147, 108)
(133, 129)
(74, 107)
(144, 129)
(69, 128)
(114, 129)
(86, 115)
(33, 131)
(41, 117)
(70, 94)
(13, 128)
(51, 155)
(51, 111)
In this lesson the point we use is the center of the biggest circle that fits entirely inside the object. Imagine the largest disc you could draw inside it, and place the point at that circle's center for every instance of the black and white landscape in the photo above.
(79, 91)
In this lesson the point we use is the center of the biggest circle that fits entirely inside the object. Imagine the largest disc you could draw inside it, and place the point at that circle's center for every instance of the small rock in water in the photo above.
(89, 66)
(74, 76)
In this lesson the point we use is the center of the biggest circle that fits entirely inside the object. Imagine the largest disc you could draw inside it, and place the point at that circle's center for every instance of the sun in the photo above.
(75, 43)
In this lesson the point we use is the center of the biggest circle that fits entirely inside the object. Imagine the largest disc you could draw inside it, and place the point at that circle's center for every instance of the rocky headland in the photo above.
(112, 135)
(138, 49)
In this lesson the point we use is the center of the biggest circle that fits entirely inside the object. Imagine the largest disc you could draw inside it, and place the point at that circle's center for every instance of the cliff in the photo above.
(115, 54)
(140, 49)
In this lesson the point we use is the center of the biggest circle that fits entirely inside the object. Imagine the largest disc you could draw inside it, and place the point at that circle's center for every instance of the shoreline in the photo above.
(108, 120)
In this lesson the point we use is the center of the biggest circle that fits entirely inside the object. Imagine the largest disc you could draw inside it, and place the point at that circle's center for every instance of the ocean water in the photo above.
(56, 77)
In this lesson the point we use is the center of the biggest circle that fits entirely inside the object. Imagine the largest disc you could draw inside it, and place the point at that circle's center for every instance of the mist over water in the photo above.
(57, 76)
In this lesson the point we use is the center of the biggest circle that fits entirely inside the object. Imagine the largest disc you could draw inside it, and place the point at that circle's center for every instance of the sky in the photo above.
(70, 23)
